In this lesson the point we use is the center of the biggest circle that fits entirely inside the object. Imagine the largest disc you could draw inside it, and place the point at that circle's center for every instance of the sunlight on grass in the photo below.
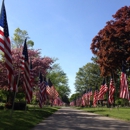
(24, 120)
(121, 113)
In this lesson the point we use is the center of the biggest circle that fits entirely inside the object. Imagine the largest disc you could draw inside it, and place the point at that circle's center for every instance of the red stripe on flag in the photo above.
(5, 47)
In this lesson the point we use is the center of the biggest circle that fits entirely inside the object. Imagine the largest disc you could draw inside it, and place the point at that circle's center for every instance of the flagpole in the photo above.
(115, 88)
(15, 93)
(16, 88)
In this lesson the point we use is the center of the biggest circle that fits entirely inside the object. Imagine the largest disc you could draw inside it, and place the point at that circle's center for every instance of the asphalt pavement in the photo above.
(68, 118)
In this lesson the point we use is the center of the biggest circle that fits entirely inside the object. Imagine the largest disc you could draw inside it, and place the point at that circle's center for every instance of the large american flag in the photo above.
(42, 90)
(124, 90)
(26, 73)
(103, 90)
(5, 47)
(111, 92)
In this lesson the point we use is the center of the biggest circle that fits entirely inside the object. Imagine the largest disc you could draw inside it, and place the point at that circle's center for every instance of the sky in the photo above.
(62, 29)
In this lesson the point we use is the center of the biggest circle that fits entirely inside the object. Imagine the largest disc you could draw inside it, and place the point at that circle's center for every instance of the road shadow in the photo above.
(71, 119)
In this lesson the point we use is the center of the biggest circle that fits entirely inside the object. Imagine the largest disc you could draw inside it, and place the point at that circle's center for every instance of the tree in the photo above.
(59, 80)
(87, 76)
(112, 44)
(74, 96)
(38, 63)
(19, 37)
(65, 99)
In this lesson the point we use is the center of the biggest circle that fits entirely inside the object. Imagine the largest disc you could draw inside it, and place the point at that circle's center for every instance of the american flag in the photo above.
(45, 96)
(72, 103)
(57, 102)
(83, 99)
(86, 95)
(5, 47)
(89, 95)
(26, 73)
(48, 88)
(124, 90)
(103, 90)
(42, 90)
(95, 97)
(52, 91)
(90, 92)
(79, 101)
(111, 92)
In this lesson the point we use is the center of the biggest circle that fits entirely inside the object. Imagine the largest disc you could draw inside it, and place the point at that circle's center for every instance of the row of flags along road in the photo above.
(46, 92)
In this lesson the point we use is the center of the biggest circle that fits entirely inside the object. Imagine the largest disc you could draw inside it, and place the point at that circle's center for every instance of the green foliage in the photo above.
(94, 59)
(34, 100)
(59, 80)
(1, 107)
(74, 96)
(30, 43)
(2, 95)
(121, 102)
(19, 37)
(88, 76)
(65, 99)
(20, 96)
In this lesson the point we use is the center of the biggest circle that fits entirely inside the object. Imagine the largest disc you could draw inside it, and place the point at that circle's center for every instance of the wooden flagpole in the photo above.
(16, 88)
(15, 93)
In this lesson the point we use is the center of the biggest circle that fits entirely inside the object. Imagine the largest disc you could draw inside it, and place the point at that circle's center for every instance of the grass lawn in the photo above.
(121, 113)
(24, 120)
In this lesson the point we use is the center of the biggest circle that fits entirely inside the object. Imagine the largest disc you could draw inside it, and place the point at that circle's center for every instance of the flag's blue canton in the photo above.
(96, 88)
(40, 77)
(103, 83)
(25, 53)
(123, 68)
(30, 65)
(45, 81)
(50, 83)
(3, 21)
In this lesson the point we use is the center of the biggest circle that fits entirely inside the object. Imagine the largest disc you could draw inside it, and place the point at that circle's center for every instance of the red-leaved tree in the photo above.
(112, 44)
(39, 63)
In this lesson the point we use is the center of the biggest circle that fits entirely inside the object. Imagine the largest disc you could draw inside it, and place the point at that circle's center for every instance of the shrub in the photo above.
(120, 102)
(8, 105)
(1, 107)
(17, 106)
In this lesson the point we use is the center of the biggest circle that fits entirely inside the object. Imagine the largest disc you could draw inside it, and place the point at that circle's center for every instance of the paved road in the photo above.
(71, 119)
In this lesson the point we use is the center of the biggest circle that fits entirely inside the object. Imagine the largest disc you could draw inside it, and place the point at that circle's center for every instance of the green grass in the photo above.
(24, 120)
(121, 113)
